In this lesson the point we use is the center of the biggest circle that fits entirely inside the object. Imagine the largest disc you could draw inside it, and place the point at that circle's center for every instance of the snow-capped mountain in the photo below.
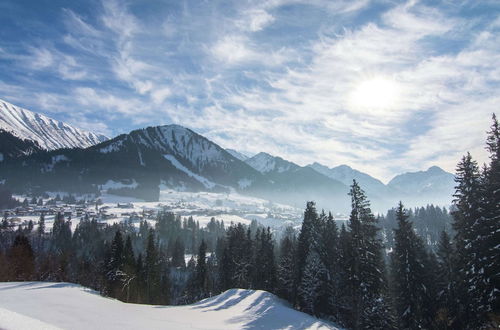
(188, 152)
(49, 133)
(346, 174)
(237, 154)
(139, 163)
(432, 182)
(266, 163)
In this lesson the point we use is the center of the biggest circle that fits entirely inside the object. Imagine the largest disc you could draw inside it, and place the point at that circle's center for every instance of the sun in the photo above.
(375, 94)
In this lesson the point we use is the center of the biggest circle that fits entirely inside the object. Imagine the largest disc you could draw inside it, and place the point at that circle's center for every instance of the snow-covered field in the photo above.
(38, 305)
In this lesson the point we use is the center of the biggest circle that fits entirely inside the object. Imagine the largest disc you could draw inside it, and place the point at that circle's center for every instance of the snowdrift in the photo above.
(41, 305)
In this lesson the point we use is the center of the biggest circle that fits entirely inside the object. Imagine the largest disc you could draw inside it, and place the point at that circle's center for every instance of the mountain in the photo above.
(266, 163)
(11, 146)
(144, 161)
(237, 154)
(45, 305)
(346, 174)
(294, 184)
(136, 164)
(431, 186)
(49, 133)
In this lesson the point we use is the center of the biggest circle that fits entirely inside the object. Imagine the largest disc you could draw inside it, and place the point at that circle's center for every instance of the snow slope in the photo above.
(38, 305)
(237, 154)
(49, 133)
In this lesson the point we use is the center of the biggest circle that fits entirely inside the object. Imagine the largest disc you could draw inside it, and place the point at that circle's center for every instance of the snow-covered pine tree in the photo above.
(178, 259)
(365, 272)
(410, 276)
(488, 265)
(264, 277)
(152, 270)
(114, 267)
(129, 279)
(286, 264)
(312, 283)
(329, 249)
(305, 240)
(41, 225)
(201, 272)
(446, 283)
(469, 211)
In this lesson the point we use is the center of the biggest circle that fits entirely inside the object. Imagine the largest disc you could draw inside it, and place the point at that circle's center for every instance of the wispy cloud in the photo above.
(280, 76)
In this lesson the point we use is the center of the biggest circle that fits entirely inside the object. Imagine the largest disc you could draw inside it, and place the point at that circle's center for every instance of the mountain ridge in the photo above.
(49, 133)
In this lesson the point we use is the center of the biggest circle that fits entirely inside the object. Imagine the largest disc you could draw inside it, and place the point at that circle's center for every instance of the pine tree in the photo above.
(129, 271)
(305, 240)
(487, 267)
(312, 283)
(178, 259)
(446, 282)
(152, 274)
(285, 270)
(21, 260)
(330, 255)
(365, 272)
(201, 272)
(115, 272)
(41, 225)
(468, 203)
(410, 275)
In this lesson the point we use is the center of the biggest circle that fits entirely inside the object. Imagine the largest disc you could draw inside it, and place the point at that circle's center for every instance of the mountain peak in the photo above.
(265, 163)
(435, 169)
(49, 133)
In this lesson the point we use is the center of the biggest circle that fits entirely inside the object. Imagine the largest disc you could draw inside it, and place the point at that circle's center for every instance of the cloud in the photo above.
(254, 77)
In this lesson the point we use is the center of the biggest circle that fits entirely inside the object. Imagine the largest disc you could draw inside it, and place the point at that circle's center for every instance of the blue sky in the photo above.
(383, 86)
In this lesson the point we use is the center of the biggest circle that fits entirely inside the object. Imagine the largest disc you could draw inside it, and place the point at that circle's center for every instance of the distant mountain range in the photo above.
(40, 154)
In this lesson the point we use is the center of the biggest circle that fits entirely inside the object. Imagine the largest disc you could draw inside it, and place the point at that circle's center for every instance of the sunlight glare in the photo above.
(375, 94)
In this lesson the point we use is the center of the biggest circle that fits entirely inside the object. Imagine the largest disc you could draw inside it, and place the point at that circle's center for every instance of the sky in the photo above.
(383, 86)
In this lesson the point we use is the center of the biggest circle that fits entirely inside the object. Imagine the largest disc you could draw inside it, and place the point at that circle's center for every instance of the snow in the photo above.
(265, 163)
(177, 140)
(49, 133)
(17, 321)
(237, 154)
(207, 183)
(38, 305)
(110, 184)
(244, 183)
(112, 147)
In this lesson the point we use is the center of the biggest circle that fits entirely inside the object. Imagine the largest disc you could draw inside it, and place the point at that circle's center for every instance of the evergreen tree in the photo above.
(305, 240)
(202, 271)
(487, 267)
(114, 273)
(178, 259)
(312, 283)
(468, 203)
(286, 263)
(446, 283)
(410, 275)
(41, 225)
(21, 260)
(365, 272)
(152, 270)
(129, 271)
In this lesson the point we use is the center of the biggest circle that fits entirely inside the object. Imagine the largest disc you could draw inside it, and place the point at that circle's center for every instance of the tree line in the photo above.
(342, 273)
